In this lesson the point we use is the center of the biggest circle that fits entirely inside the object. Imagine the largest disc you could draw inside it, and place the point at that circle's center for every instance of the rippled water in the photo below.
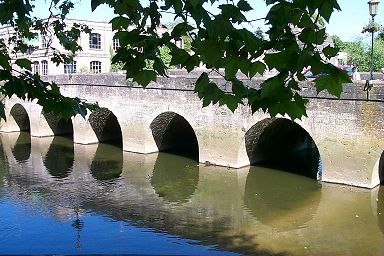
(64, 198)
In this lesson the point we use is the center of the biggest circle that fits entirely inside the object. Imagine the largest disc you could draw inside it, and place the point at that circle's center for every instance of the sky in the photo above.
(347, 23)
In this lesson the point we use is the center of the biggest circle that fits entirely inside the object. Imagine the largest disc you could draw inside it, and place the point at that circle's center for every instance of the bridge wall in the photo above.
(348, 132)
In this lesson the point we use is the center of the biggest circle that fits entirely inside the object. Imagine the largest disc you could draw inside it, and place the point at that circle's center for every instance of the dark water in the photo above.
(57, 197)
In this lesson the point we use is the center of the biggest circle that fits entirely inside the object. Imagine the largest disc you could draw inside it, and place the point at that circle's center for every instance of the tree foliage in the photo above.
(359, 52)
(340, 44)
(219, 39)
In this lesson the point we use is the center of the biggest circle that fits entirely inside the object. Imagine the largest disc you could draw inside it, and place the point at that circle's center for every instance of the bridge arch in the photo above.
(59, 126)
(173, 133)
(19, 116)
(282, 144)
(106, 126)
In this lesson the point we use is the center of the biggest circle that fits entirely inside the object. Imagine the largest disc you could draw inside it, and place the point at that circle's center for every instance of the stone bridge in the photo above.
(341, 140)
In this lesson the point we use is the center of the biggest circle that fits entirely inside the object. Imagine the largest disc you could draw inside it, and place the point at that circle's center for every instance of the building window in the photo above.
(95, 66)
(36, 67)
(44, 67)
(70, 67)
(45, 41)
(95, 41)
(116, 44)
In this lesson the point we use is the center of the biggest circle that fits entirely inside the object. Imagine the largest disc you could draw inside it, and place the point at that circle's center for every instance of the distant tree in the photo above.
(338, 42)
(115, 67)
(220, 40)
(259, 33)
(378, 51)
(357, 54)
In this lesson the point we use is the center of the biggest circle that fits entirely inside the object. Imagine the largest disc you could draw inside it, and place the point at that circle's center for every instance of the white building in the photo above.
(95, 56)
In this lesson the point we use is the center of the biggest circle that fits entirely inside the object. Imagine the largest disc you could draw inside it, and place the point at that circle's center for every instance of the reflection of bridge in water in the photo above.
(238, 209)
(346, 133)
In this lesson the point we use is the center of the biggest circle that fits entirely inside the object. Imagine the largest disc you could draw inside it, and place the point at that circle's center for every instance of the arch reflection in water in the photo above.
(175, 177)
(172, 133)
(3, 165)
(108, 162)
(22, 149)
(279, 143)
(59, 158)
(280, 199)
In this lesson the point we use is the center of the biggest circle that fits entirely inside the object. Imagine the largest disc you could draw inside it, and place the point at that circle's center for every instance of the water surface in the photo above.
(64, 198)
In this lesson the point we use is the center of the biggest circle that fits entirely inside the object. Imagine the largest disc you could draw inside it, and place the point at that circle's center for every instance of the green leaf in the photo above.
(4, 61)
(231, 101)
(119, 22)
(329, 84)
(244, 6)
(181, 29)
(24, 63)
(2, 110)
(144, 77)
(256, 68)
(326, 10)
(231, 67)
(330, 51)
(278, 60)
(158, 65)
(239, 89)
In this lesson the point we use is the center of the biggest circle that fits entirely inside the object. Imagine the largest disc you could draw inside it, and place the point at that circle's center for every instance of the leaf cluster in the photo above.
(218, 39)
(221, 41)
(15, 67)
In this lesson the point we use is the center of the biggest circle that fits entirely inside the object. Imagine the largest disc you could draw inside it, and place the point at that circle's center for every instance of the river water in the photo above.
(57, 197)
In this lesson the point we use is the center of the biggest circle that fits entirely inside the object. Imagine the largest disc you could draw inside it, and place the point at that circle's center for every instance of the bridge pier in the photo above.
(83, 132)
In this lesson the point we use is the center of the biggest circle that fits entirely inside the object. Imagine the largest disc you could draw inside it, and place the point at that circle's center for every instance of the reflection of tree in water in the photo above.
(22, 149)
(59, 158)
(175, 177)
(280, 199)
(108, 162)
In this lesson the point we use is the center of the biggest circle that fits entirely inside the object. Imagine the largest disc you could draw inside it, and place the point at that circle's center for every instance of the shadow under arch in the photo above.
(281, 200)
(381, 168)
(60, 157)
(107, 163)
(175, 177)
(21, 117)
(106, 126)
(279, 143)
(22, 149)
(59, 126)
(172, 133)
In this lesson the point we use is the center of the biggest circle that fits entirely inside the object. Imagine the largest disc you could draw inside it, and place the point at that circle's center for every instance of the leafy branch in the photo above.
(220, 41)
